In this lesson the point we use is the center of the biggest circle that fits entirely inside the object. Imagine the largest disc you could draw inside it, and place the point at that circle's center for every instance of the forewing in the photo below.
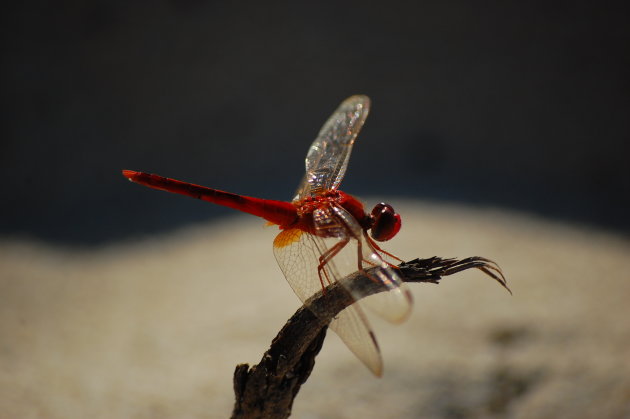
(394, 304)
(327, 159)
(298, 255)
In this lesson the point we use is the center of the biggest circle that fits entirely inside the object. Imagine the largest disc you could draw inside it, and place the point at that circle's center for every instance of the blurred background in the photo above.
(519, 105)
(498, 130)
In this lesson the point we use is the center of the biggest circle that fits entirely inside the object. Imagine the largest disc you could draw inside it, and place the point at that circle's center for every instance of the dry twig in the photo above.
(267, 390)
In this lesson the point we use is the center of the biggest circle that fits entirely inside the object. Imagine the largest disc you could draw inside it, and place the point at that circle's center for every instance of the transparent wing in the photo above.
(327, 159)
(395, 303)
(298, 255)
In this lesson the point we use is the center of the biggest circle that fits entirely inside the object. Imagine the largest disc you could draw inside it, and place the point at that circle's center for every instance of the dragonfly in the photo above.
(324, 232)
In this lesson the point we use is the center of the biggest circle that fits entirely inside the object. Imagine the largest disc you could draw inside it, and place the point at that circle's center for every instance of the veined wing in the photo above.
(327, 158)
(298, 255)
(394, 304)
(345, 250)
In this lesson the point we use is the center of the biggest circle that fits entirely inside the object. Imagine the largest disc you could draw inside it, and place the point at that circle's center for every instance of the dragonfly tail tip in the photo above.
(129, 174)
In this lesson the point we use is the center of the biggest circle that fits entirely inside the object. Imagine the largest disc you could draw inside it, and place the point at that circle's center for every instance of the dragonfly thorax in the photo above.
(309, 204)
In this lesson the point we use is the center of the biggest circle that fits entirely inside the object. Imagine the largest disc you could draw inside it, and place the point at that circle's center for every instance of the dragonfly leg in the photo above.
(325, 258)
(376, 247)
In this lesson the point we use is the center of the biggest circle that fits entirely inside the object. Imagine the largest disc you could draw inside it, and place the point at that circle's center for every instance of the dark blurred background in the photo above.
(521, 105)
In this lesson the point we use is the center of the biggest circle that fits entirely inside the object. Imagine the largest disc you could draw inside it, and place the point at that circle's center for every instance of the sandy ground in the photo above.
(154, 328)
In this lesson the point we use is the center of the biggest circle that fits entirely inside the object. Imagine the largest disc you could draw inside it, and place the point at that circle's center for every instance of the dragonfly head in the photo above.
(385, 222)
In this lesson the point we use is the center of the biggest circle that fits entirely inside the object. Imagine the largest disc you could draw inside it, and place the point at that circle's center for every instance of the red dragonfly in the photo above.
(324, 231)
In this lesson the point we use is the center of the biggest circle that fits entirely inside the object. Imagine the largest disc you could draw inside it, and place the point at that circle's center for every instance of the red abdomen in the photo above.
(278, 212)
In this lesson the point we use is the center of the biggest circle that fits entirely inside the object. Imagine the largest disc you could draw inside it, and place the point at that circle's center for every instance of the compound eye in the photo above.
(386, 222)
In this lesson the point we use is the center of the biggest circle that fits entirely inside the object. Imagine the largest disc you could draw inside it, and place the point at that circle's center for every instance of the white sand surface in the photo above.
(154, 327)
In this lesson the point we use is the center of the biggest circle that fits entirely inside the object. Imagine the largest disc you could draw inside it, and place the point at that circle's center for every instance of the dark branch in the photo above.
(267, 390)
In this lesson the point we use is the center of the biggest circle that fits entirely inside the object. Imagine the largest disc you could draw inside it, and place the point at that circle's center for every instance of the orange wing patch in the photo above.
(287, 237)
